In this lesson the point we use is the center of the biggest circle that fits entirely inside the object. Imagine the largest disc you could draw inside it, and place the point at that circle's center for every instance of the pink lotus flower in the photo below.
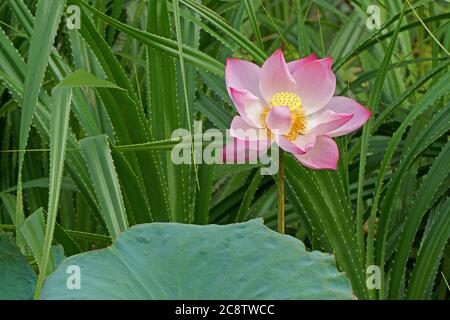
(291, 104)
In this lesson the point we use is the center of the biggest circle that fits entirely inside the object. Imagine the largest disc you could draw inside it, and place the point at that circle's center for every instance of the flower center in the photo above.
(298, 117)
(287, 99)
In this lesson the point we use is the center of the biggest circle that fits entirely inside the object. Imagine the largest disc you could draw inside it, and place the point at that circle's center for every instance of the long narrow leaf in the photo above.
(104, 177)
(61, 100)
(48, 15)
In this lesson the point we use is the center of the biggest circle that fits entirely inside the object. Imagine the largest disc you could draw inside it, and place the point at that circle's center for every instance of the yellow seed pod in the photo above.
(287, 99)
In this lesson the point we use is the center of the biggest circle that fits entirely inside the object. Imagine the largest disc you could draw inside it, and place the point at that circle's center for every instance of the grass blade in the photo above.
(48, 15)
(303, 41)
(430, 253)
(61, 100)
(34, 232)
(374, 100)
(104, 178)
(424, 197)
(251, 14)
(196, 57)
(248, 196)
(203, 195)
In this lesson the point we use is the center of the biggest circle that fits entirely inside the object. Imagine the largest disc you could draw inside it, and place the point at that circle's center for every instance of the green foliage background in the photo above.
(95, 108)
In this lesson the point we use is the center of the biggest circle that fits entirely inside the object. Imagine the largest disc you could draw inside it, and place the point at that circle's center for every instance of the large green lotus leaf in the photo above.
(17, 279)
(179, 261)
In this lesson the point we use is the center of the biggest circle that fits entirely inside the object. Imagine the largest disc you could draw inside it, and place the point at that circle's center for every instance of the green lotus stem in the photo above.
(280, 184)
